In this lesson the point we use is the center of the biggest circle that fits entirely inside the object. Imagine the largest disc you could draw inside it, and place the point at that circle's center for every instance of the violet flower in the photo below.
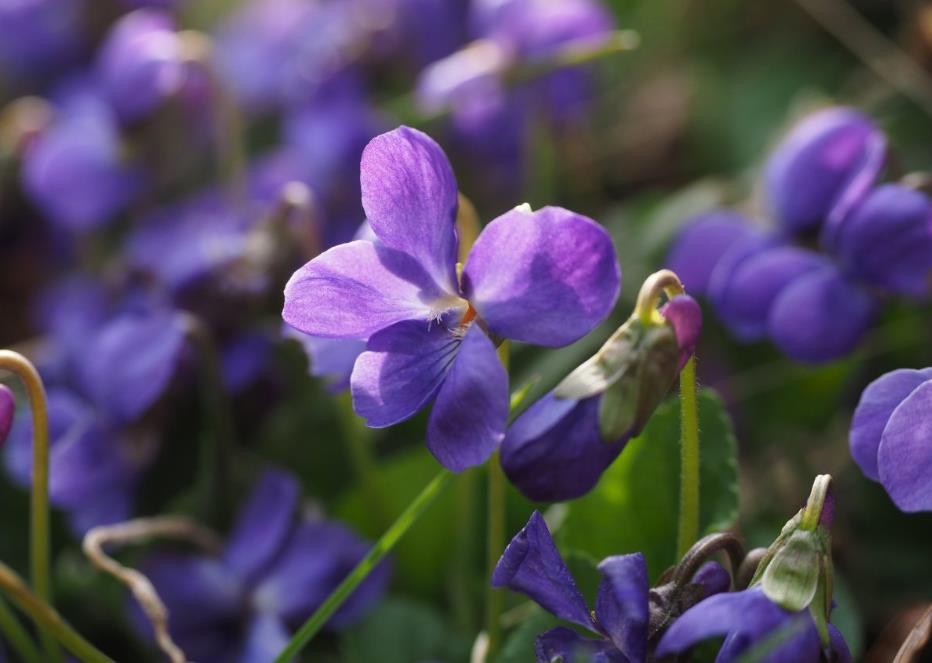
(556, 451)
(39, 35)
(140, 63)
(7, 412)
(890, 435)
(275, 569)
(748, 618)
(544, 277)
(532, 565)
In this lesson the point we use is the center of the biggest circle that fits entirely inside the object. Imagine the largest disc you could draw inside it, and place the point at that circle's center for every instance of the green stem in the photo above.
(47, 619)
(495, 598)
(39, 508)
(382, 547)
(464, 561)
(16, 636)
(688, 531)
(359, 440)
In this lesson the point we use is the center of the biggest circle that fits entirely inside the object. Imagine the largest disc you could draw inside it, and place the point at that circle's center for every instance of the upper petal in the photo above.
(554, 450)
(820, 317)
(532, 565)
(409, 196)
(878, 401)
(545, 277)
(401, 370)
(356, 289)
(263, 524)
(905, 454)
(468, 420)
(702, 243)
(622, 604)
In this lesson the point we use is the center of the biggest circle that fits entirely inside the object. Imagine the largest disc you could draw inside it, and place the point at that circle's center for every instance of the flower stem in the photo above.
(47, 619)
(16, 636)
(495, 538)
(382, 547)
(39, 508)
(360, 449)
(689, 460)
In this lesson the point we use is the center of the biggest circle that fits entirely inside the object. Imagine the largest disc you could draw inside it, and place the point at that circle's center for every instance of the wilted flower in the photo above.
(276, 568)
(890, 436)
(544, 277)
(558, 448)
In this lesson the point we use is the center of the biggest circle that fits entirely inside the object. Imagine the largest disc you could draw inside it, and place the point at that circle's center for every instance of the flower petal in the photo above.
(878, 401)
(356, 289)
(545, 277)
(7, 411)
(820, 317)
(532, 566)
(905, 455)
(266, 637)
(622, 605)
(409, 195)
(566, 645)
(469, 416)
(840, 651)
(401, 370)
(685, 315)
(886, 241)
(701, 244)
(554, 450)
(745, 302)
(713, 578)
(263, 525)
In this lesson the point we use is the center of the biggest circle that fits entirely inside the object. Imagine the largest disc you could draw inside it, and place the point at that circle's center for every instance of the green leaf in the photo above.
(635, 505)
(403, 631)
(519, 646)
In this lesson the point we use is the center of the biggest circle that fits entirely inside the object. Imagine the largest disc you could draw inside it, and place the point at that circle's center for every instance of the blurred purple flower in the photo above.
(274, 571)
(140, 63)
(75, 171)
(826, 164)
(331, 359)
(38, 35)
(890, 436)
(554, 451)
(544, 277)
(7, 412)
(746, 619)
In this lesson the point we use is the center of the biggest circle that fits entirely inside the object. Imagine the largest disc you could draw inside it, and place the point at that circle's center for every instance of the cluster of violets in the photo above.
(841, 241)
(168, 241)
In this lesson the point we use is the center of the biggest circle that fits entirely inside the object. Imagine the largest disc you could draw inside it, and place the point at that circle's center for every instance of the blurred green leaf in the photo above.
(519, 647)
(635, 505)
(403, 631)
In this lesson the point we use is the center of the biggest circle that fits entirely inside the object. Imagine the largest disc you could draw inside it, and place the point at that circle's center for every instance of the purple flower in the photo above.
(746, 619)
(556, 451)
(75, 171)
(544, 277)
(7, 411)
(890, 436)
(886, 240)
(274, 571)
(38, 35)
(140, 63)
(826, 164)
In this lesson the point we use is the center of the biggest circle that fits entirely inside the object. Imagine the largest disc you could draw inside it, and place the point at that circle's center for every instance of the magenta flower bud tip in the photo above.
(7, 410)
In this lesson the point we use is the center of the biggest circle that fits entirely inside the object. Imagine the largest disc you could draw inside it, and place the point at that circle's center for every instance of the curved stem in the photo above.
(704, 548)
(663, 281)
(688, 529)
(39, 508)
(382, 547)
(16, 636)
(47, 619)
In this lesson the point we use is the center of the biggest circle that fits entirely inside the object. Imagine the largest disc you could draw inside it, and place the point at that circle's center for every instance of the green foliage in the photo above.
(635, 505)
(519, 646)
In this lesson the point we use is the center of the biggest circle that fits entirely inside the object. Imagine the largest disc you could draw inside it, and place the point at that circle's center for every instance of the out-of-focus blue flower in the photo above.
(544, 277)
(555, 450)
(75, 171)
(746, 619)
(7, 411)
(417, 32)
(140, 63)
(826, 164)
(38, 35)
(274, 571)
(890, 436)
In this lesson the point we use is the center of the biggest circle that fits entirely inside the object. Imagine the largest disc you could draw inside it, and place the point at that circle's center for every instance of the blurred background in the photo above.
(166, 165)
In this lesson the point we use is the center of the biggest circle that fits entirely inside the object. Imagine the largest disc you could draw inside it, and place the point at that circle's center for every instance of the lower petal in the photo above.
(622, 604)
(820, 317)
(265, 639)
(554, 451)
(468, 420)
(905, 455)
(401, 370)
(566, 645)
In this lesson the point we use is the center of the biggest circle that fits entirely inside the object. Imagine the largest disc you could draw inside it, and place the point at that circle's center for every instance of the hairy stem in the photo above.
(39, 541)
(688, 530)
(378, 552)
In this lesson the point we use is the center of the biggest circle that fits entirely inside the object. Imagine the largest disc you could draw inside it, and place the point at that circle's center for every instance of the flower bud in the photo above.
(7, 410)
